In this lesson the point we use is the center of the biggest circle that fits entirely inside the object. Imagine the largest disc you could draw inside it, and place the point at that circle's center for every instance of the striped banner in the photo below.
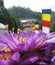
(36, 27)
(46, 18)
(46, 11)
(45, 23)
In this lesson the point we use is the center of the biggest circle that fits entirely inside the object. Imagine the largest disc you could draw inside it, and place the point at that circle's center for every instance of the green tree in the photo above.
(24, 13)
(15, 23)
(7, 18)
(53, 26)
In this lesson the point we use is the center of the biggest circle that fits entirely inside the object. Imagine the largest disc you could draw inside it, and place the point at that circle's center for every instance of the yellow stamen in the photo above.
(24, 40)
(7, 56)
(21, 39)
(41, 41)
(53, 51)
(6, 49)
(1, 57)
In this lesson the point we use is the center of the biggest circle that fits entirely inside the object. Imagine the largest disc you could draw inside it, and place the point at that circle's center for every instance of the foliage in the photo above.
(53, 26)
(15, 23)
(21, 13)
(7, 18)
(53, 16)
(12, 15)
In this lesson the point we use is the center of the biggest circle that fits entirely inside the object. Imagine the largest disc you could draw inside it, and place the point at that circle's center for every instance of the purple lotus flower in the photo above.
(3, 62)
(27, 48)
(53, 60)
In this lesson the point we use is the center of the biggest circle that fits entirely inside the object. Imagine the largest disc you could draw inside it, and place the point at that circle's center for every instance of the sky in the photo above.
(35, 5)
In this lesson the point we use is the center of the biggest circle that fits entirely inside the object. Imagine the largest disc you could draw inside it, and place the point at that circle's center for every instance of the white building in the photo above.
(2, 26)
(28, 20)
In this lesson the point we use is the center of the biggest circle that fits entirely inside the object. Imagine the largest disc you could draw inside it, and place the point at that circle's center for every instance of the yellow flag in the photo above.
(12, 28)
(46, 17)
(36, 26)
(6, 26)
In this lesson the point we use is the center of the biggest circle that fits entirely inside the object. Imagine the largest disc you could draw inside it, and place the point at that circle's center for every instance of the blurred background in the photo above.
(20, 15)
